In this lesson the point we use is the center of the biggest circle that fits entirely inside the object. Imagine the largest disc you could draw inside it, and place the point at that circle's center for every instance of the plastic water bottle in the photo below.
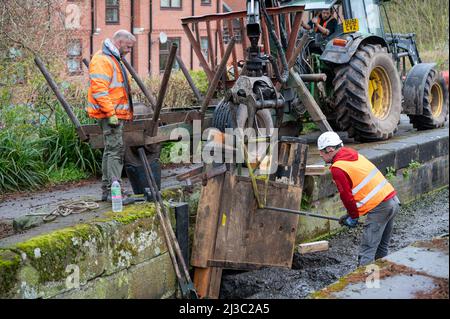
(116, 197)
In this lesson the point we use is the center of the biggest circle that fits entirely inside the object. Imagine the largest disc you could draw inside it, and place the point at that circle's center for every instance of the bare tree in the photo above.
(29, 28)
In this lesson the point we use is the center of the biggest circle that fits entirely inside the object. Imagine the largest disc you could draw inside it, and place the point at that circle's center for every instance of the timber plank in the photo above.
(313, 247)
(206, 224)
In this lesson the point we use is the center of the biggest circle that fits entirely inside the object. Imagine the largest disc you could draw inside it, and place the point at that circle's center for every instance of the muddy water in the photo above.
(420, 220)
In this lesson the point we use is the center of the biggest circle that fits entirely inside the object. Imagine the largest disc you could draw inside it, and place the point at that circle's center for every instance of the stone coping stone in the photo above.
(39, 266)
(418, 271)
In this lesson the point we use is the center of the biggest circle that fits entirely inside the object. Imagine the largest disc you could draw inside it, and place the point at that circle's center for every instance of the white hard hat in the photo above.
(328, 139)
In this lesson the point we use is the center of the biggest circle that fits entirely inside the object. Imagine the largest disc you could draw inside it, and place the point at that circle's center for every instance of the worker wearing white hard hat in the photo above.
(363, 191)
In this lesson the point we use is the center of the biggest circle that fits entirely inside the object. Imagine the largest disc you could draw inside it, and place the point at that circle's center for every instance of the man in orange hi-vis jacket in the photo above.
(364, 191)
(110, 102)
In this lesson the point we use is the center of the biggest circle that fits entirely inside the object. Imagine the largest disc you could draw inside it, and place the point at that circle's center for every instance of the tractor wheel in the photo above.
(435, 104)
(368, 95)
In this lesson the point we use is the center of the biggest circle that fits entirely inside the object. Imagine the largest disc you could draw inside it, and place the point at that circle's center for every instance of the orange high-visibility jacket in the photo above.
(107, 94)
(319, 19)
(370, 187)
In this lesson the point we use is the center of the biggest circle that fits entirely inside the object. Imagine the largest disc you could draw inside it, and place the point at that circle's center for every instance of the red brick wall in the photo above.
(163, 20)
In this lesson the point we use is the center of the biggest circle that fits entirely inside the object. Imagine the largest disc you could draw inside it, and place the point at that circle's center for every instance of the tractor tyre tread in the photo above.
(351, 96)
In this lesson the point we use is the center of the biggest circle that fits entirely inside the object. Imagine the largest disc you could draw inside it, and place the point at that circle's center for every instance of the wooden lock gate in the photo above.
(230, 231)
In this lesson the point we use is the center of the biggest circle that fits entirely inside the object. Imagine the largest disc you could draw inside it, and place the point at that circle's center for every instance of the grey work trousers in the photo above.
(113, 153)
(377, 231)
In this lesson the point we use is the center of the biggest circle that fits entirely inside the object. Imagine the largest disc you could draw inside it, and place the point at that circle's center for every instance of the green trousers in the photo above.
(113, 154)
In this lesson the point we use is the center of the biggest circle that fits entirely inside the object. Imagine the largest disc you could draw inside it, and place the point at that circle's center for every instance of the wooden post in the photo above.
(189, 79)
(215, 81)
(210, 45)
(162, 90)
(310, 104)
(235, 66)
(198, 52)
(139, 82)
(293, 35)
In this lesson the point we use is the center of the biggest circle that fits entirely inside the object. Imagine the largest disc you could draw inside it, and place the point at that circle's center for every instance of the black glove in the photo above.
(342, 219)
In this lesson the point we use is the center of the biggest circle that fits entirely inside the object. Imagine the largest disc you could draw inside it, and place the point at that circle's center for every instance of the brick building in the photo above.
(94, 20)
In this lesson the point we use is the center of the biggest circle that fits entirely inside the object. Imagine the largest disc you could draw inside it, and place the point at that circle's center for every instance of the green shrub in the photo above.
(428, 19)
(63, 147)
(200, 80)
(21, 164)
(70, 173)
(390, 173)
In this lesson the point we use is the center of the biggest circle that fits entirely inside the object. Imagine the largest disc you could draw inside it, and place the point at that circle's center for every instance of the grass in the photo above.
(390, 173)
(309, 127)
(428, 19)
(67, 174)
(21, 164)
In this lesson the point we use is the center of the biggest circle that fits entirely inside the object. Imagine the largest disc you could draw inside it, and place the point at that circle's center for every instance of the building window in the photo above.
(205, 2)
(74, 53)
(170, 3)
(164, 50)
(112, 12)
(236, 32)
(204, 46)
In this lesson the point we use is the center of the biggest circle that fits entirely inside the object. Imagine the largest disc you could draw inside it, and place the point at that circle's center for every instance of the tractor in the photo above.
(367, 83)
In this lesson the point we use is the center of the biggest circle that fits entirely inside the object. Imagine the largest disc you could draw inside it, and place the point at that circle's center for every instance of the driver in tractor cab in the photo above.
(324, 24)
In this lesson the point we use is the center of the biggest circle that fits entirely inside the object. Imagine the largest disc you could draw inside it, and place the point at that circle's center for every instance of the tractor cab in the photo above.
(354, 19)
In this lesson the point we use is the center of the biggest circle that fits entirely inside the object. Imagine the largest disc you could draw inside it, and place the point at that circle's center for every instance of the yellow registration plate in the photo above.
(351, 25)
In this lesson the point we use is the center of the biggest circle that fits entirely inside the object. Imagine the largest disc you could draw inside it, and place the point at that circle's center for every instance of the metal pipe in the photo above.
(269, 104)
(215, 81)
(299, 212)
(163, 88)
(347, 9)
(91, 37)
(403, 54)
(317, 77)
(189, 79)
(150, 30)
(86, 63)
(132, 28)
(61, 98)
(139, 82)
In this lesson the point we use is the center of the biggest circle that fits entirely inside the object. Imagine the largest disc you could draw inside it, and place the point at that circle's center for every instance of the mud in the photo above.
(422, 219)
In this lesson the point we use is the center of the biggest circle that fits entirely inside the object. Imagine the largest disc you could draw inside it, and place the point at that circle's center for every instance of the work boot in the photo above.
(106, 195)
(126, 200)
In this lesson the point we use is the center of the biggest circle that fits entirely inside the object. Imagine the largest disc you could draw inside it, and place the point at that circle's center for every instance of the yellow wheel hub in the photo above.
(380, 93)
(436, 100)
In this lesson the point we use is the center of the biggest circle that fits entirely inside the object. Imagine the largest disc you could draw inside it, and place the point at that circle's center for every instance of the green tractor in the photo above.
(367, 85)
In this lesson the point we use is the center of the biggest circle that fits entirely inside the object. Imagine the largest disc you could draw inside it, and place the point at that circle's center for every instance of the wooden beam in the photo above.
(293, 35)
(311, 105)
(243, 37)
(313, 170)
(313, 247)
(239, 14)
(231, 35)
(210, 45)
(198, 52)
